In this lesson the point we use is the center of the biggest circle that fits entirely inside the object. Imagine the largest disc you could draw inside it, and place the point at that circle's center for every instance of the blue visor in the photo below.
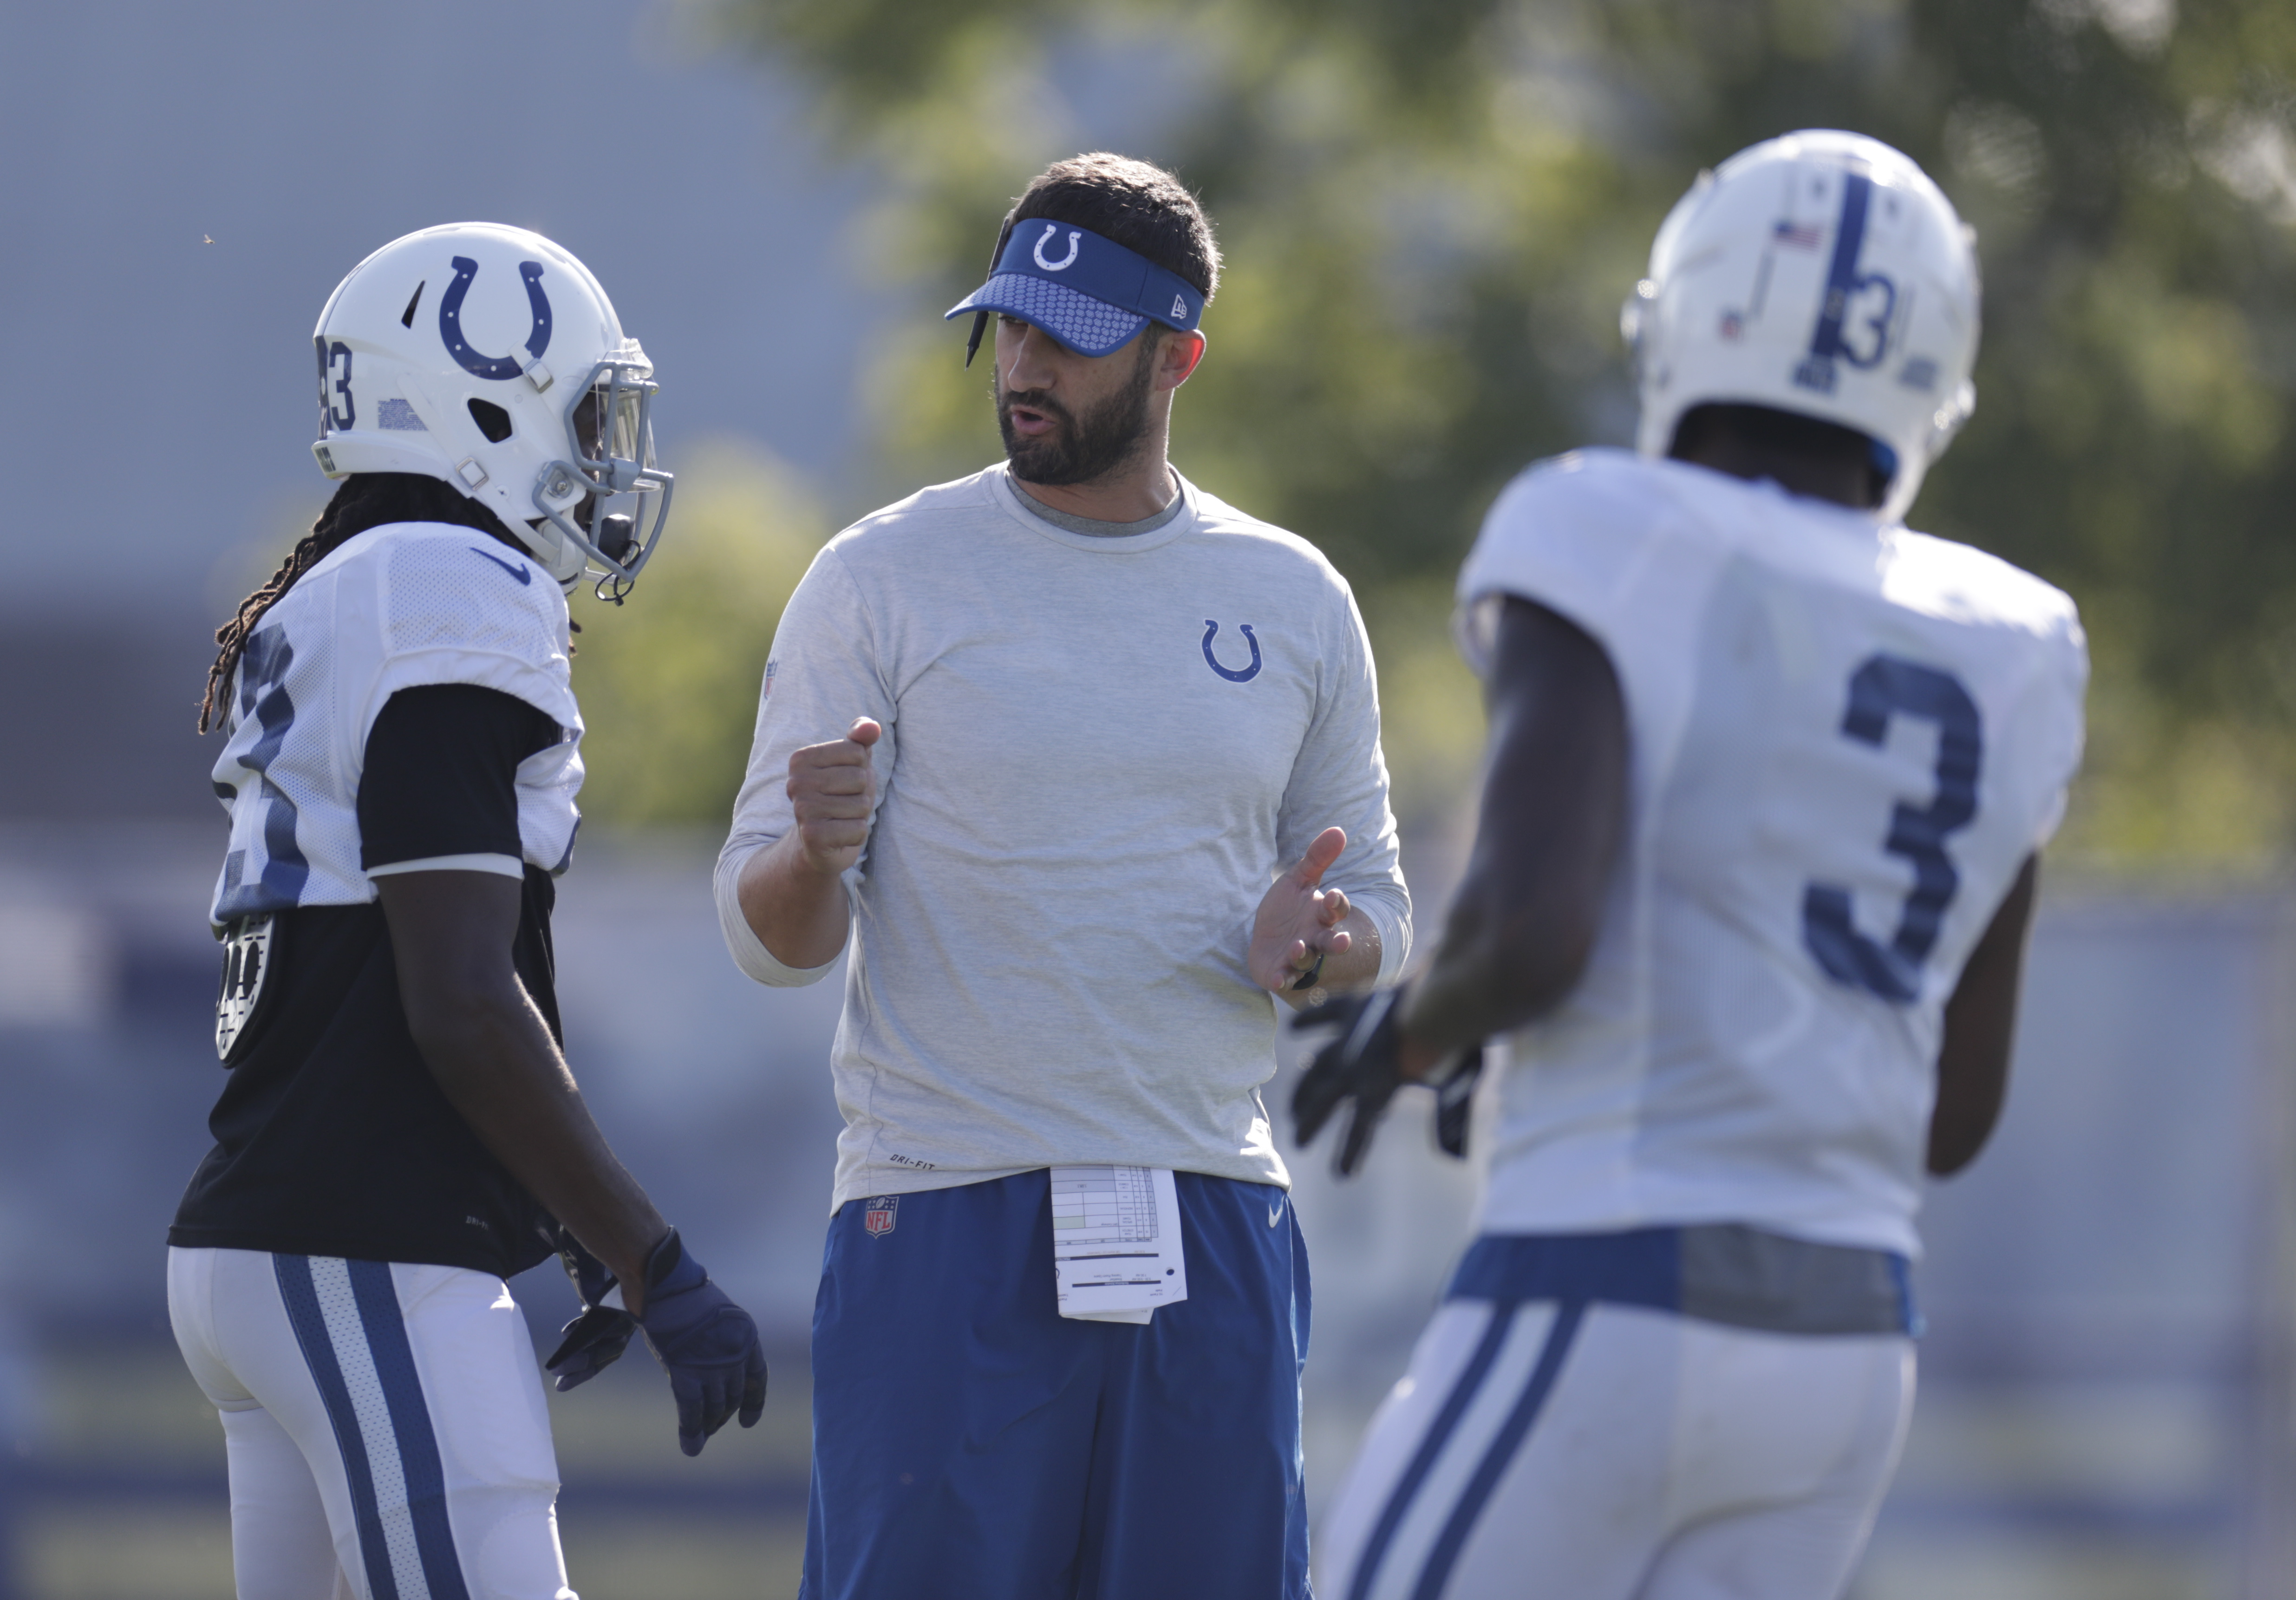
(1090, 293)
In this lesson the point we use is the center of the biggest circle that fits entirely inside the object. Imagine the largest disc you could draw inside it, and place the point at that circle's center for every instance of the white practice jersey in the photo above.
(397, 607)
(1845, 740)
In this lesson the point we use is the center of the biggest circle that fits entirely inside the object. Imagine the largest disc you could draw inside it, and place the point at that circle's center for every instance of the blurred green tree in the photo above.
(668, 681)
(1432, 210)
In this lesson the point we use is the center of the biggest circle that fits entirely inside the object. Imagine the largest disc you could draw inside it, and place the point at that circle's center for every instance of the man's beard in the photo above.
(1079, 450)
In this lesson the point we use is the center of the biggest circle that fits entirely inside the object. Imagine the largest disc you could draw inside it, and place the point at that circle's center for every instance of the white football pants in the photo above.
(1603, 1452)
(384, 1424)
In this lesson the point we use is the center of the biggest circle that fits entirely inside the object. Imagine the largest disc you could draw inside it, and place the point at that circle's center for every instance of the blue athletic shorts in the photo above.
(968, 1442)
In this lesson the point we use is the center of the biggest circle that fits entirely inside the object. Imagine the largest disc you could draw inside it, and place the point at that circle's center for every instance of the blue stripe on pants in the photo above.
(380, 1338)
(310, 1325)
(1440, 1560)
(410, 1421)
(1430, 1449)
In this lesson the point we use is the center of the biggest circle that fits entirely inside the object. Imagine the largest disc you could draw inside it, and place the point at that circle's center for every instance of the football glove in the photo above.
(1361, 1067)
(595, 1339)
(705, 1342)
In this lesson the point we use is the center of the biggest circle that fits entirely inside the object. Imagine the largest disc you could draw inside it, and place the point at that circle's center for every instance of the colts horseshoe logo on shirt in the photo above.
(1234, 675)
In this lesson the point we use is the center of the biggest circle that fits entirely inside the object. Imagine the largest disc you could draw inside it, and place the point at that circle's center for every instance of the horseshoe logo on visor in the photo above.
(1065, 262)
(450, 322)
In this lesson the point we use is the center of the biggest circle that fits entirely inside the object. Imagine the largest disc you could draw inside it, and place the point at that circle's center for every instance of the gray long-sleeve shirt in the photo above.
(1098, 752)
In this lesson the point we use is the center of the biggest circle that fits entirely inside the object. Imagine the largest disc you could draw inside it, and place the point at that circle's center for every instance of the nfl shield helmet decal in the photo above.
(878, 1215)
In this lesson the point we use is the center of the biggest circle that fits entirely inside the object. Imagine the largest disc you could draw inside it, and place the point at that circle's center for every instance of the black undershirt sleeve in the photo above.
(441, 774)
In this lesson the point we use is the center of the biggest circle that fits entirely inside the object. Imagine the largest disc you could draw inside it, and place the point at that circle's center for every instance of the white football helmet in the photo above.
(488, 357)
(1821, 273)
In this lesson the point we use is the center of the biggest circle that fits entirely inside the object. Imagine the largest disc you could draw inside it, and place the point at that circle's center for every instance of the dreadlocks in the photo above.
(366, 500)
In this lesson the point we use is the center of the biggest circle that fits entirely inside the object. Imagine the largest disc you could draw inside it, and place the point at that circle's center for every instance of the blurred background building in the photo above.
(1432, 211)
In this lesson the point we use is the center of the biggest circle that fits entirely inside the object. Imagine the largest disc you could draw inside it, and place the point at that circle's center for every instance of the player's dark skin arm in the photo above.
(488, 1047)
(1980, 1023)
(1554, 813)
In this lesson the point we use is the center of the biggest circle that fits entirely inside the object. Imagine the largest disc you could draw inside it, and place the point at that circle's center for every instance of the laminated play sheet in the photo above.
(1116, 1242)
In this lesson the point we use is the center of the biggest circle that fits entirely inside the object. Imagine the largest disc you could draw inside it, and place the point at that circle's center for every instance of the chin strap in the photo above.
(980, 318)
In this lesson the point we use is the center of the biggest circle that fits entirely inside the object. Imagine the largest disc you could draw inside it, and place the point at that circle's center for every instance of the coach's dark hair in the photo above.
(364, 500)
(1136, 203)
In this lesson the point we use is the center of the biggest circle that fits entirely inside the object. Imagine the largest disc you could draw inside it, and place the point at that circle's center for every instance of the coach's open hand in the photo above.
(1297, 922)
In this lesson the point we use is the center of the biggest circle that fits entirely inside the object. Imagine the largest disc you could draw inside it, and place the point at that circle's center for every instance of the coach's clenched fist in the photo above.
(791, 891)
(832, 789)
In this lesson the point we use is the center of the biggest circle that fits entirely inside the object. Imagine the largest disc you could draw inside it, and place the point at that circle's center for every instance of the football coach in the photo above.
(1087, 764)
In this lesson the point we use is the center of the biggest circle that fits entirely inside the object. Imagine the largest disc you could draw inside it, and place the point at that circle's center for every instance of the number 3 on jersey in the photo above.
(1882, 688)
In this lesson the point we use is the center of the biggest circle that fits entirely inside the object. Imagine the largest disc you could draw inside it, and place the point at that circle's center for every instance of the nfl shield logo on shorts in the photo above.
(877, 1217)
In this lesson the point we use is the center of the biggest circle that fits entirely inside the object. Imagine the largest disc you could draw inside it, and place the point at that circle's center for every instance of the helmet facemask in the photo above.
(609, 462)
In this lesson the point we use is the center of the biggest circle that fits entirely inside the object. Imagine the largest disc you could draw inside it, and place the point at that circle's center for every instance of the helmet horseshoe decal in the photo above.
(450, 323)
(1211, 632)
(1065, 262)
